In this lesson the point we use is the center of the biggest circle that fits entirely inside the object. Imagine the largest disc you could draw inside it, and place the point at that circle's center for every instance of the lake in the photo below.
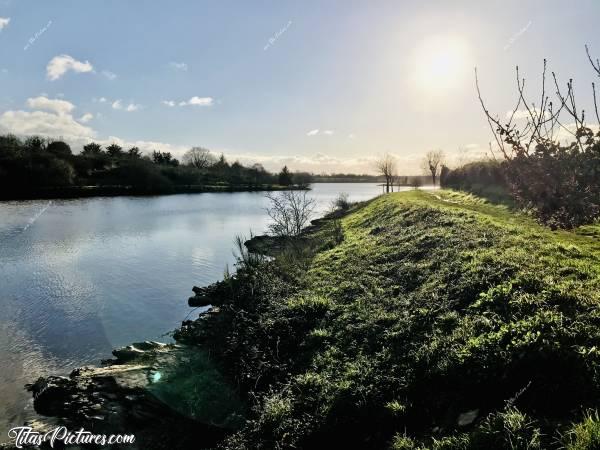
(81, 277)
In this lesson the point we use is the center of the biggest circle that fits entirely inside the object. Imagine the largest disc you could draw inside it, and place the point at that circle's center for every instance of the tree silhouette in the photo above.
(433, 163)
(114, 150)
(386, 166)
(199, 157)
(92, 149)
(285, 177)
(134, 152)
(60, 149)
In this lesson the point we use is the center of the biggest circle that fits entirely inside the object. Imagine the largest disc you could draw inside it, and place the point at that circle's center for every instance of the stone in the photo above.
(200, 300)
(467, 418)
(118, 399)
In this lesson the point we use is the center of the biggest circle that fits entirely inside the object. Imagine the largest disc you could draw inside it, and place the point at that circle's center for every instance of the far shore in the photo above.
(117, 191)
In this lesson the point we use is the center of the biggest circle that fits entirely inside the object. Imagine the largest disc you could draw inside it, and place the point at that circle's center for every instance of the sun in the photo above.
(440, 62)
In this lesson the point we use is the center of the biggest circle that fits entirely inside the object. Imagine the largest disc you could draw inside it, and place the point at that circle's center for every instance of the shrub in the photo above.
(341, 201)
(338, 232)
(60, 149)
(290, 212)
(484, 178)
(560, 183)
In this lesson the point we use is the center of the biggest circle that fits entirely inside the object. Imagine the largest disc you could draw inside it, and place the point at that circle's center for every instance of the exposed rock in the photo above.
(204, 296)
(117, 399)
(200, 300)
(265, 245)
(467, 418)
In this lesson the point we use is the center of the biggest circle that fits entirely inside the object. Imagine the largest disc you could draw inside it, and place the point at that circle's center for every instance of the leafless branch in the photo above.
(290, 212)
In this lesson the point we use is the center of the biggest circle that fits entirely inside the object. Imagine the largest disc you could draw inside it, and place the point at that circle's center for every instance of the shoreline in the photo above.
(265, 342)
(75, 192)
(118, 395)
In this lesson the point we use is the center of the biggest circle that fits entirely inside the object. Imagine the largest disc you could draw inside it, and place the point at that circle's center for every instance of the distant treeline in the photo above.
(400, 180)
(37, 167)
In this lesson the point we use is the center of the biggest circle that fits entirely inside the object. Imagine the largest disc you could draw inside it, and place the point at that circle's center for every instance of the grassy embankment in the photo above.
(420, 320)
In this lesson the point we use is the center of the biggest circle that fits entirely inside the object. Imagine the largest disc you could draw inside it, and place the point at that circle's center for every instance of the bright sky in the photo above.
(320, 85)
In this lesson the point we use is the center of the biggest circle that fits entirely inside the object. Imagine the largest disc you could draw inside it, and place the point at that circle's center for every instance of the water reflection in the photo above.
(80, 277)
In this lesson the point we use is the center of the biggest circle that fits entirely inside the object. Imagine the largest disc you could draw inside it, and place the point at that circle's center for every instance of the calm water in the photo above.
(80, 277)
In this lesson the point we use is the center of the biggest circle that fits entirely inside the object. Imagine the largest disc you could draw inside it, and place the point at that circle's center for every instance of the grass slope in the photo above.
(438, 321)
(473, 304)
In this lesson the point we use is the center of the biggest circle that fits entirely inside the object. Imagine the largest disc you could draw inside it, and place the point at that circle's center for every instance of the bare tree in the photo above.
(386, 166)
(199, 157)
(543, 120)
(290, 212)
(432, 163)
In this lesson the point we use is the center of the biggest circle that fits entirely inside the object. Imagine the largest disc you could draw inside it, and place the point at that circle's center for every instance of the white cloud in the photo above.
(60, 124)
(179, 66)
(43, 123)
(59, 65)
(408, 164)
(351, 136)
(146, 146)
(197, 101)
(169, 103)
(118, 104)
(566, 134)
(325, 132)
(4, 21)
(58, 106)
(86, 117)
(102, 99)
(524, 113)
(74, 132)
(110, 75)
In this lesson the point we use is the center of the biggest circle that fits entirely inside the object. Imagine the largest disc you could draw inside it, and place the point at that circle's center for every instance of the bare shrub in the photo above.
(341, 202)
(290, 212)
(558, 180)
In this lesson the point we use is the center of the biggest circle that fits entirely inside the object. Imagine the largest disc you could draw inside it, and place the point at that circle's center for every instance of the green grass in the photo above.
(584, 435)
(425, 306)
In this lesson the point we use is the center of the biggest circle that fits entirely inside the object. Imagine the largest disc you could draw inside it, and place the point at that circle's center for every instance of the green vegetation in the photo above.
(36, 167)
(483, 178)
(416, 321)
(556, 179)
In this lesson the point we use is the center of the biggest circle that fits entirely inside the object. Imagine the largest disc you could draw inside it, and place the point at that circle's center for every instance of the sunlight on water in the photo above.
(80, 277)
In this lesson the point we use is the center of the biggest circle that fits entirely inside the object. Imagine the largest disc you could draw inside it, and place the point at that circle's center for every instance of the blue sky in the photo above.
(370, 76)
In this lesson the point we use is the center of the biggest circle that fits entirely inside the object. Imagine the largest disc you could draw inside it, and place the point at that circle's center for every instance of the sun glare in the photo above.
(440, 63)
